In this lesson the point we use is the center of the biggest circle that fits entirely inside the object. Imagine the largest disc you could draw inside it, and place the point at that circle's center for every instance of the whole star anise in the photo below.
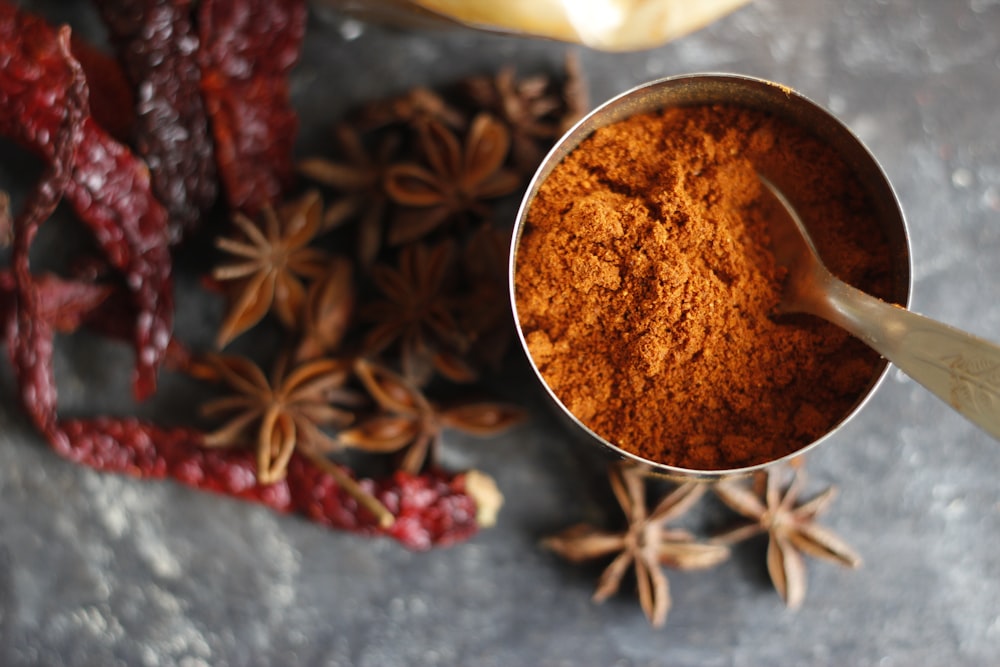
(416, 309)
(279, 414)
(527, 106)
(534, 108)
(272, 258)
(454, 182)
(360, 179)
(412, 424)
(647, 544)
(416, 106)
(791, 528)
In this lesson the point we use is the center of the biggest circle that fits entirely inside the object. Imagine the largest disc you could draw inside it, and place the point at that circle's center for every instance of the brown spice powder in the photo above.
(646, 289)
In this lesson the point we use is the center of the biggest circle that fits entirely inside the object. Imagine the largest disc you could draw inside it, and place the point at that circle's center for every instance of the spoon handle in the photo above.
(959, 368)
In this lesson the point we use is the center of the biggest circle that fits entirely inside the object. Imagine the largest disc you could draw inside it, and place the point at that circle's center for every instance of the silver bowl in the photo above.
(759, 94)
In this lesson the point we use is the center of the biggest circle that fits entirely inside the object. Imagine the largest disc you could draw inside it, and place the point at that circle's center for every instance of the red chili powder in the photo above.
(646, 288)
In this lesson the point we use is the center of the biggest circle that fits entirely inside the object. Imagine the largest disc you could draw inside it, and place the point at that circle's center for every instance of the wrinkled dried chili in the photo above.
(432, 509)
(112, 103)
(247, 49)
(108, 188)
(158, 47)
(63, 304)
(29, 335)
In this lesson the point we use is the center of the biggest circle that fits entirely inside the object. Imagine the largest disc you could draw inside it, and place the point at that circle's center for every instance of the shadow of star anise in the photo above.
(271, 258)
(647, 544)
(455, 181)
(280, 413)
(410, 424)
(792, 529)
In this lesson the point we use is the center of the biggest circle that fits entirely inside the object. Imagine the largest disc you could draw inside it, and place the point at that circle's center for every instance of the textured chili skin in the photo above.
(44, 106)
(112, 103)
(431, 509)
(158, 47)
(29, 334)
(109, 188)
(64, 304)
(248, 48)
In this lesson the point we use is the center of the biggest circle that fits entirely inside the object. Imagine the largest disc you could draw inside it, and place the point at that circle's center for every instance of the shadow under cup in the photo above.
(756, 94)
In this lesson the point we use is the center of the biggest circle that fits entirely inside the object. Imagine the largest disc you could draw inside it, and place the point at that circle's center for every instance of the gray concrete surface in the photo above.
(103, 570)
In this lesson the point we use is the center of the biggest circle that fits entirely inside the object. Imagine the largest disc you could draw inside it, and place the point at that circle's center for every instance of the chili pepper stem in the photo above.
(484, 490)
(367, 500)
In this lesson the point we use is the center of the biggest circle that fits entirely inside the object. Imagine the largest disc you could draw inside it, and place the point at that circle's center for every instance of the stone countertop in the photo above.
(104, 570)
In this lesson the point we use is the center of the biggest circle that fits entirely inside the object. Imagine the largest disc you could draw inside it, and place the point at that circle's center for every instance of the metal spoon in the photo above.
(959, 368)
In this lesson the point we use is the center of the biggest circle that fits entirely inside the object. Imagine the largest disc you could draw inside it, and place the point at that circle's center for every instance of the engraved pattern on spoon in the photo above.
(975, 382)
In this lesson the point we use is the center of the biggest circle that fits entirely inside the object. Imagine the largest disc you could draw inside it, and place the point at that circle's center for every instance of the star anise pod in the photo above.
(791, 528)
(360, 179)
(280, 413)
(411, 108)
(535, 110)
(272, 258)
(527, 106)
(647, 544)
(411, 424)
(328, 311)
(416, 309)
(454, 182)
(284, 414)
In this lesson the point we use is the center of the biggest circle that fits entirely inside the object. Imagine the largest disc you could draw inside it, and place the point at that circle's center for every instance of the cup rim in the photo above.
(634, 101)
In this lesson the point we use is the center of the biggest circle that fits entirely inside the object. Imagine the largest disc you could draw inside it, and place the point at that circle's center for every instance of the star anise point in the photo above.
(792, 530)
(646, 545)
(272, 259)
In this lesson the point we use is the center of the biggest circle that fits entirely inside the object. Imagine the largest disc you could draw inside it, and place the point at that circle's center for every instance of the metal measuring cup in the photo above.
(759, 94)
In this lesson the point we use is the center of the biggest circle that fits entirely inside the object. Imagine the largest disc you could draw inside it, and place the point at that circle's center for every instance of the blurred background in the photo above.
(105, 570)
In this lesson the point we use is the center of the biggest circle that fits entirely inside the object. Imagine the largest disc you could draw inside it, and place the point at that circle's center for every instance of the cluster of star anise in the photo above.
(387, 279)
(769, 500)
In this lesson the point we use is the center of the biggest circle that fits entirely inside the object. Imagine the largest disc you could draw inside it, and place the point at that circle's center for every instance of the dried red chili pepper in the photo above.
(29, 335)
(111, 101)
(247, 49)
(63, 304)
(109, 187)
(158, 47)
(432, 509)
(428, 510)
